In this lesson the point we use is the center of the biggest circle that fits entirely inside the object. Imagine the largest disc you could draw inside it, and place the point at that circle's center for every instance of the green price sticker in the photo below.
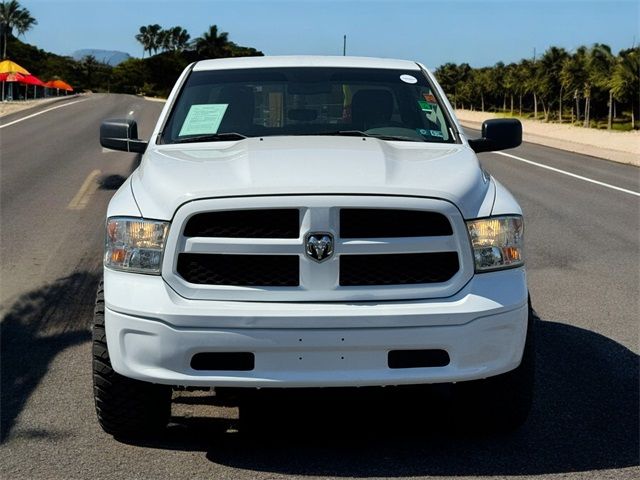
(425, 106)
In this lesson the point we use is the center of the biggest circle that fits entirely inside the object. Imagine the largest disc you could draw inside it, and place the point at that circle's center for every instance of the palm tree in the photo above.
(549, 77)
(599, 63)
(496, 87)
(89, 65)
(482, 84)
(530, 71)
(451, 77)
(145, 39)
(574, 75)
(149, 37)
(165, 40)
(179, 39)
(12, 15)
(213, 44)
(625, 80)
(174, 39)
(511, 81)
(601, 66)
(155, 33)
(516, 82)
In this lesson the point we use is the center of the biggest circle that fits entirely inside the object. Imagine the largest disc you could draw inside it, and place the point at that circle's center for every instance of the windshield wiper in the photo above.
(346, 133)
(360, 133)
(212, 137)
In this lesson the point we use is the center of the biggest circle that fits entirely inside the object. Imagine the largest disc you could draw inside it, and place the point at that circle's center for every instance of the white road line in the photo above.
(40, 113)
(88, 188)
(580, 177)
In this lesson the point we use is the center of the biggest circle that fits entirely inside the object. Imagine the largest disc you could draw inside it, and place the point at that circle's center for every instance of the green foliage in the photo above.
(213, 44)
(453, 79)
(46, 65)
(574, 73)
(13, 16)
(162, 71)
(625, 80)
(581, 82)
(129, 76)
(154, 75)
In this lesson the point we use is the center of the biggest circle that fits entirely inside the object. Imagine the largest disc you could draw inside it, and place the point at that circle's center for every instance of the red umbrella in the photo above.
(31, 80)
(14, 77)
(24, 79)
(20, 78)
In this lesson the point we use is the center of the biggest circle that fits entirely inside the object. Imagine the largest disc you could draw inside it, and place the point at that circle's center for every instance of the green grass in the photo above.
(619, 124)
(622, 127)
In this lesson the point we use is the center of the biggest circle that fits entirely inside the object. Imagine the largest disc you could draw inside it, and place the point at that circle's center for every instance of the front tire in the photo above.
(125, 407)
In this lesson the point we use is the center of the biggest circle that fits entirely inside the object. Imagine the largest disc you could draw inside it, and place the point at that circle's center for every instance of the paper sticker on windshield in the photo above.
(203, 119)
(430, 98)
(436, 133)
(408, 78)
(425, 106)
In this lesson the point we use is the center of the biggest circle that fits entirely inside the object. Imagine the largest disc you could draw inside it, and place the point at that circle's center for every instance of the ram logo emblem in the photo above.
(319, 246)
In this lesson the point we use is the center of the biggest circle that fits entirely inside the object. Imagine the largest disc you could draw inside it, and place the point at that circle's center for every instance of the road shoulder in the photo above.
(621, 147)
(19, 109)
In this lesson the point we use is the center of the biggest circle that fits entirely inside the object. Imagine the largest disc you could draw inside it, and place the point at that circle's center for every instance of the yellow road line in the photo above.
(88, 188)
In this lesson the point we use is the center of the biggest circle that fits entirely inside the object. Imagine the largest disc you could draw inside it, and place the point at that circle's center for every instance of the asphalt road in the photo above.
(583, 253)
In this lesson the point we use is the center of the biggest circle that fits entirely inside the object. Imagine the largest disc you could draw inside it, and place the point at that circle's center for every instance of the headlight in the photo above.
(497, 242)
(135, 244)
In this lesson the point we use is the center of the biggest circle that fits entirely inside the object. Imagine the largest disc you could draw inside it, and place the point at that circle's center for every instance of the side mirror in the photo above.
(498, 134)
(121, 135)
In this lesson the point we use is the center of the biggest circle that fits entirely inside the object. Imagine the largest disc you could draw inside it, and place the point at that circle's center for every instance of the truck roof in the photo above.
(304, 61)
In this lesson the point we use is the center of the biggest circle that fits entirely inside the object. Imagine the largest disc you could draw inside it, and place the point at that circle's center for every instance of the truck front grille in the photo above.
(240, 270)
(278, 223)
(255, 249)
(386, 223)
(397, 269)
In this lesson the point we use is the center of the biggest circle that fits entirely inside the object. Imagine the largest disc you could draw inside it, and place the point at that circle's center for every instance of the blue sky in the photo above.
(479, 32)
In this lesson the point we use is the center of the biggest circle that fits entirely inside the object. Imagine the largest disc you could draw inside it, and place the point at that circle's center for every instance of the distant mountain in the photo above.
(110, 57)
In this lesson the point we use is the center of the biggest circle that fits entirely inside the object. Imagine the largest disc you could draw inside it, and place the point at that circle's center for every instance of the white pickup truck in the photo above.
(310, 222)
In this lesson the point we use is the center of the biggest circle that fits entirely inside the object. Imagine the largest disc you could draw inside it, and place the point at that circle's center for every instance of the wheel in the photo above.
(125, 407)
(501, 403)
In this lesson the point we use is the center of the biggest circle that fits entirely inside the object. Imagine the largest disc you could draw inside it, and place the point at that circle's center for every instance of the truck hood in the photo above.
(171, 175)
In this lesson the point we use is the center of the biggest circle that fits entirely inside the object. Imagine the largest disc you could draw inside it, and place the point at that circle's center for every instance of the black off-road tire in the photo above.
(126, 408)
(501, 403)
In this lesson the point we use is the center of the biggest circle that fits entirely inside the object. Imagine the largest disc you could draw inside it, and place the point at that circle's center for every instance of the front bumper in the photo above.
(152, 334)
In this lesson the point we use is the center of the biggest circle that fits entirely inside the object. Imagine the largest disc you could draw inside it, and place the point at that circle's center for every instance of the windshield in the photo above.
(383, 103)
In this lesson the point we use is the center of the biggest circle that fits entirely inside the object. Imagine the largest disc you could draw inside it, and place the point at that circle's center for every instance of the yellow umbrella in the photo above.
(7, 66)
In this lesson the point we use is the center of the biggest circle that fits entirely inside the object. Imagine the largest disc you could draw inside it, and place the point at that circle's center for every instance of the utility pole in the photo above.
(344, 46)
(535, 97)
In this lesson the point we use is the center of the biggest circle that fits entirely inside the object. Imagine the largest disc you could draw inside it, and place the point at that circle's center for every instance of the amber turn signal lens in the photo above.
(118, 255)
